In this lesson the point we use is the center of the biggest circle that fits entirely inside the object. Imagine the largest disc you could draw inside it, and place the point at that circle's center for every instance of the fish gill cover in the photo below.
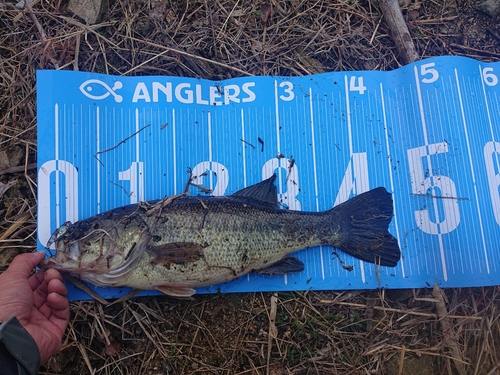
(428, 132)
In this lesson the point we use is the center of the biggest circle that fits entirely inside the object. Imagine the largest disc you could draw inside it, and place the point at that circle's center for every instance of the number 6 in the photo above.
(488, 77)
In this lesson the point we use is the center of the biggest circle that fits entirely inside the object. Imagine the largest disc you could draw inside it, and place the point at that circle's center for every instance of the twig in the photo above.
(126, 297)
(273, 331)
(406, 312)
(402, 359)
(440, 197)
(40, 30)
(86, 289)
(122, 141)
(248, 143)
(448, 331)
(18, 223)
(484, 52)
(399, 30)
(82, 350)
(19, 168)
(120, 186)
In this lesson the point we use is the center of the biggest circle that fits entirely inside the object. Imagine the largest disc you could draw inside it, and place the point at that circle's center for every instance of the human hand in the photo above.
(39, 302)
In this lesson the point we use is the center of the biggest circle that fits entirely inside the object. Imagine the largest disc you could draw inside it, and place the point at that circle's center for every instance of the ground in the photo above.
(455, 331)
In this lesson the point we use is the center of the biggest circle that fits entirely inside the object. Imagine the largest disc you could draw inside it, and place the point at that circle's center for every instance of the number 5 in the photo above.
(426, 69)
(421, 184)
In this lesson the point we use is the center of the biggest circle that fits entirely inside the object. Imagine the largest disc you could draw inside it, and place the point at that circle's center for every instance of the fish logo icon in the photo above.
(98, 90)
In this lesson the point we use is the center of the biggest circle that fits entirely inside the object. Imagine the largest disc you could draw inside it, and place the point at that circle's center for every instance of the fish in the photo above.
(180, 243)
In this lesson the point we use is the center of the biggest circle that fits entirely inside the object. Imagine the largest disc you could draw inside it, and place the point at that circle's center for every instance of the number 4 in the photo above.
(359, 87)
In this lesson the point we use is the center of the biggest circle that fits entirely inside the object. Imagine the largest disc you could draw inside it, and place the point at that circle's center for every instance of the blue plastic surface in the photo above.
(429, 132)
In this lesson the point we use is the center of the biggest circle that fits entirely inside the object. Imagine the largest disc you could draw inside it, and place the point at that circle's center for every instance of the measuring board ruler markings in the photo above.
(429, 132)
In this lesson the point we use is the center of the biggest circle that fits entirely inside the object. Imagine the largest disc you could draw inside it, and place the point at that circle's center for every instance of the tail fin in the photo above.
(365, 219)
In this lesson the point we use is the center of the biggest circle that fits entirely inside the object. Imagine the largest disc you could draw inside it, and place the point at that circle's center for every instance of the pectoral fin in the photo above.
(285, 265)
(176, 291)
(175, 253)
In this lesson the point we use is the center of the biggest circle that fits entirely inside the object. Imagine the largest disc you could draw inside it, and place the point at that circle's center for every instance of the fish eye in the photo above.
(83, 225)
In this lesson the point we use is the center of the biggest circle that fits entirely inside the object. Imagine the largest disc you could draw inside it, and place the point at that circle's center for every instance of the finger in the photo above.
(60, 306)
(57, 286)
(35, 280)
(52, 274)
(52, 283)
(24, 264)
(57, 300)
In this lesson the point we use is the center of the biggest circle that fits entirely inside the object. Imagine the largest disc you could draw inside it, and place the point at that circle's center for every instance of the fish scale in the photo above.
(181, 243)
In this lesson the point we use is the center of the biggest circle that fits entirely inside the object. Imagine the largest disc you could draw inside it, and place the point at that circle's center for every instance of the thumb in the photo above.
(24, 263)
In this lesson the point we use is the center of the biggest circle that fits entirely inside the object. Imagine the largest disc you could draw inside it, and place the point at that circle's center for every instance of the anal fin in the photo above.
(285, 265)
(176, 291)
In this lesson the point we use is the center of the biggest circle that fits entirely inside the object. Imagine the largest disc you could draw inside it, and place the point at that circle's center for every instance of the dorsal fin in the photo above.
(264, 192)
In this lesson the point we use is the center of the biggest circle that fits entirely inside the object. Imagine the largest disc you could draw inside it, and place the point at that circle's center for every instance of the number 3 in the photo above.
(288, 86)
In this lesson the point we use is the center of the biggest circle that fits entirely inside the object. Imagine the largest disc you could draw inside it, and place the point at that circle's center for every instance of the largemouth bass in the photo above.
(183, 242)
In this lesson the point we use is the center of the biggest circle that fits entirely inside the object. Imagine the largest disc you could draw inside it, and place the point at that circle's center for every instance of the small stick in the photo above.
(77, 52)
(86, 289)
(273, 331)
(408, 312)
(123, 140)
(262, 143)
(449, 333)
(441, 197)
(399, 30)
(401, 359)
(100, 162)
(43, 35)
(81, 348)
(126, 297)
(248, 143)
(19, 168)
(126, 192)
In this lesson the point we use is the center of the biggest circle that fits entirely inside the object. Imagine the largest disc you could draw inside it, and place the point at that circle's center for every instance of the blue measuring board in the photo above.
(429, 132)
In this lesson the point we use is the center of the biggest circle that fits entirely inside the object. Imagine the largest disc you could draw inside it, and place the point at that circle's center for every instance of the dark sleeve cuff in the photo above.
(18, 350)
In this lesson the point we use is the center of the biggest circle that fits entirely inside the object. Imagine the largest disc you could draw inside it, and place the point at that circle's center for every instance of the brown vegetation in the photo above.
(380, 332)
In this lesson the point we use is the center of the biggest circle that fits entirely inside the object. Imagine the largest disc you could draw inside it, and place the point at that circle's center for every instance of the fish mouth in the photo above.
(63, 260)
(52, 262)
(48, 263)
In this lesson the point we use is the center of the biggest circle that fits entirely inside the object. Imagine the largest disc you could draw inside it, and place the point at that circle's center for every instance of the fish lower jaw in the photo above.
(69, 265)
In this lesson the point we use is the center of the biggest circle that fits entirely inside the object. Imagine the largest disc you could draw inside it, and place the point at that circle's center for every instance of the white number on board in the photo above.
(288, 88)
(135, 174)
(67, 172)
(491, 158)
(421, 184)
(359, 86)
(428, 69)
(289, 169)
(355, 178)
(204, 169)
(489, 77)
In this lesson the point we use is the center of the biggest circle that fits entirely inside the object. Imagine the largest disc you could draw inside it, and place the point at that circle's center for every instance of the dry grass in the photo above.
(380, 332)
